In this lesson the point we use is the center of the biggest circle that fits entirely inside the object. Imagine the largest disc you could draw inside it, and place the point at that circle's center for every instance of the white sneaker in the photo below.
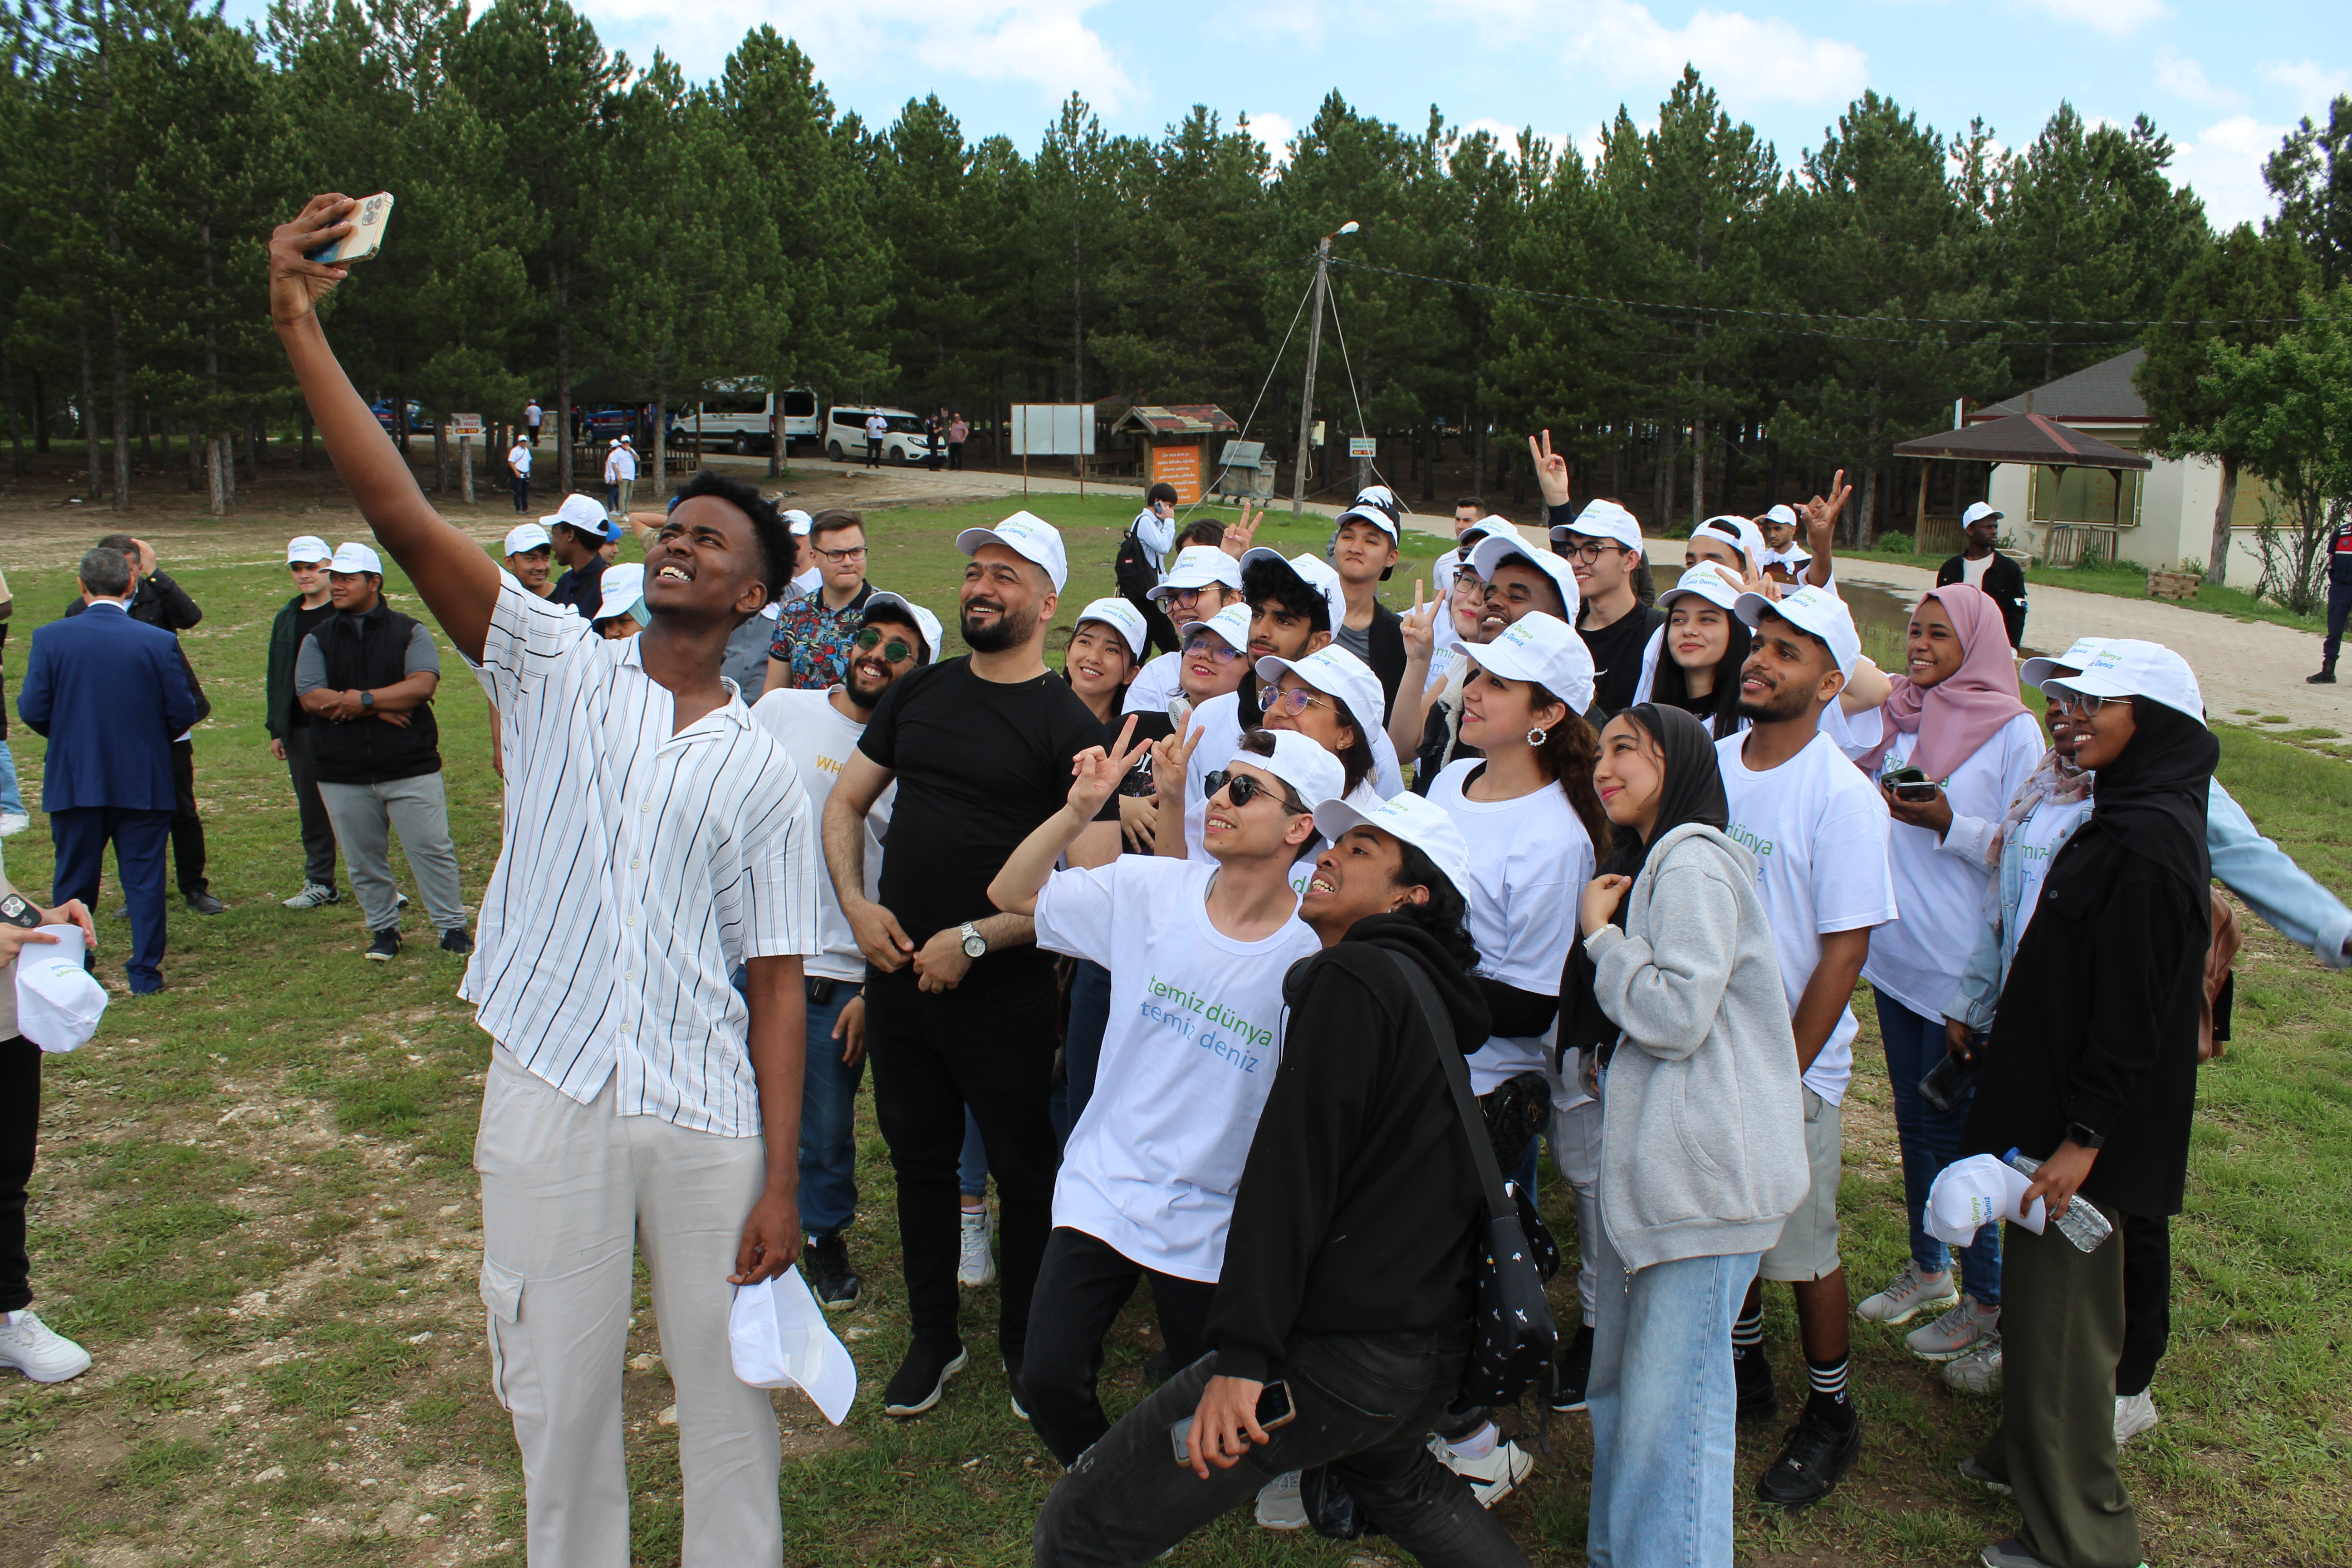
(1280, 1506)
(2135, 1413)
(313, 897)
(976, 1265)
(1978, 1371)
(12, 823)
(1492, 1478)
(1911, 1292)
(1957, 1332)
(38, 1350)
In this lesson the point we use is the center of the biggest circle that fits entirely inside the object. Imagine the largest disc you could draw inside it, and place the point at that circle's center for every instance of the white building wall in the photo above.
(2176, 516)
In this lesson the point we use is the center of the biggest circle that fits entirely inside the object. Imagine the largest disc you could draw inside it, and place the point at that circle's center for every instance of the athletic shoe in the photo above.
(2009, 1553)
(1575, 1372)
(314, 896)
(1977, 1474)
(455, 939)
(206, 904)
(1978, 1371)
(386, 945)
(1752, 1374)
(2325, 677)
(825, 1267)
(1812, 1463)
(976, 1265)
(920, 1379)
(38, 1350)
(2135, 1413)
(12, 823)
(1492, 1478)
(1911, 1293)
(1957, 1332)
(1280, 1506)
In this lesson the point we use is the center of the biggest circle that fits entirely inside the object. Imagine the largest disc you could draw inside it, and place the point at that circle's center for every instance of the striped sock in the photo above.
(1748, 1333)
(1828, 1400)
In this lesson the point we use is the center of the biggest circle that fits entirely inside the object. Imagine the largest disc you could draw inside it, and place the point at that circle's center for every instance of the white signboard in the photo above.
(462, 425)
(1363, 447)
(1053, 429)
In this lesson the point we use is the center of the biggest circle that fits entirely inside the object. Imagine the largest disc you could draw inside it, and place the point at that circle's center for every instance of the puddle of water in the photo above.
(1882, 618)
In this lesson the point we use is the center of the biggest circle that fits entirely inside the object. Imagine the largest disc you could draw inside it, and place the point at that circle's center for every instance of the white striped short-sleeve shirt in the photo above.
(639, 869)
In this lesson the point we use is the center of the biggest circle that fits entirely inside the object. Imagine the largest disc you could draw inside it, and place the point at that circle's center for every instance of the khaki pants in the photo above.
(568, 1191)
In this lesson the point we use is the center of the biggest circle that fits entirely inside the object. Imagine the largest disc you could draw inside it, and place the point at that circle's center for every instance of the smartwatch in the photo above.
(367, 700)
(975, 945)
(2078, 1133)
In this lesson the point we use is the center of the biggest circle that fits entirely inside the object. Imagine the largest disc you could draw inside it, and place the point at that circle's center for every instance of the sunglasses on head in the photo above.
(896, 650)
(1216, 646)
(1295, 702)
(1246, 787)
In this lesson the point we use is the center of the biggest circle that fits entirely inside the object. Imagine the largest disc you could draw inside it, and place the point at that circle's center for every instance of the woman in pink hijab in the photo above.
(1954, 716)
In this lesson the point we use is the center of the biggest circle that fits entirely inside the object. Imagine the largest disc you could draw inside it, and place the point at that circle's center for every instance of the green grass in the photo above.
(242, 1184)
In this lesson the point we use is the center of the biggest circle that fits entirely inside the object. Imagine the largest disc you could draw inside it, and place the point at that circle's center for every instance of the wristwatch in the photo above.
(975, 945)
(367, 700)
(2078, 1133)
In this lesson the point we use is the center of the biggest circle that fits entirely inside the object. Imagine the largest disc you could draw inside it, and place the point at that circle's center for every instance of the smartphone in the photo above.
(1949, 1079)
(1274, 1409)
(15, 910)
(1909, 783)
(366, 237)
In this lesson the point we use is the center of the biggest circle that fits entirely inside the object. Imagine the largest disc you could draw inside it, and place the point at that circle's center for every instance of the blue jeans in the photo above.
(12, 794)
(1082, 1047)
(829, 1122)
(1663, 1407)
(971, 1166)
(1931, 1139)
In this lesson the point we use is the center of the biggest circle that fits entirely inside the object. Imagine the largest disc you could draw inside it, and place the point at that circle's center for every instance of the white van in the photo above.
(844, 435)
(743, 416)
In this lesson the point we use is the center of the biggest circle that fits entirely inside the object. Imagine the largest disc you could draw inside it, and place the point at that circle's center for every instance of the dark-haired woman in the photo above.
(1695, 663)
(1675, 989)
(1320, 696)
(2094, 1073)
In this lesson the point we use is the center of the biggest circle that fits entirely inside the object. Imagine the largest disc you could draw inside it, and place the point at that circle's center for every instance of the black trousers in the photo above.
(1081, 1286)
(20, 1118)
(955, 456)
(988, 1047)
(1366, 1404)
(187, 827)
(873, 453)
(2339, 610)
(522, 492)
(318, 833)
(2148, 1300)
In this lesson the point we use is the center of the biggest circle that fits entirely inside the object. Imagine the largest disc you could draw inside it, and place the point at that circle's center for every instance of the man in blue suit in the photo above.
(109, 693)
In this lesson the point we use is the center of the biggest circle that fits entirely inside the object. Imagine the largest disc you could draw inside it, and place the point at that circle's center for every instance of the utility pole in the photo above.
(1313, 351)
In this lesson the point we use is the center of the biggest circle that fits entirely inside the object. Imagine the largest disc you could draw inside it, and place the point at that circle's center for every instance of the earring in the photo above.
(1539, 735)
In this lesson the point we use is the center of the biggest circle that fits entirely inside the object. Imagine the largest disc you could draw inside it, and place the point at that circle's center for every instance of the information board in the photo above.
(1053, 429)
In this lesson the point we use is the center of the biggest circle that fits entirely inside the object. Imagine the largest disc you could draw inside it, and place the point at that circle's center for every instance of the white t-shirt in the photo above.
(876, 428)
(1189, 1053)
(519, 458)
(1154, 684)
(1972, 572)
(1938, 886)
(1529, 860)
(2039, 838)
(1221, 717)
(819, 741)
(620, 464)
(532, 414)
(1819, 834)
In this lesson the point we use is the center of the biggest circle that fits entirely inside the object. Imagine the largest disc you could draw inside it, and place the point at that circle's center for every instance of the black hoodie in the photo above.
(1359, 1204)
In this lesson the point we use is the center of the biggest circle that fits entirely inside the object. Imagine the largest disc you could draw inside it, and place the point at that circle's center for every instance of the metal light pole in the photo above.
(1313, 351)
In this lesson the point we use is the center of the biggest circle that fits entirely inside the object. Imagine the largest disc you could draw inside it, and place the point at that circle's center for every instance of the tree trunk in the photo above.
(16, 426)
(562, 392)
(121, 442)
(40, 414)
(215, 471)
(660, 442)
(147, 431)
(440, 458)
(252, 451)
(195, 457)
(163, 436)
(2217, 564)
(1698, 465)
(465, 466)
(89, 412)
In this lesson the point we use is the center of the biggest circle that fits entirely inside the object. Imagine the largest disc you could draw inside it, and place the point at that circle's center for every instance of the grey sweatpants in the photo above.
(364, 815)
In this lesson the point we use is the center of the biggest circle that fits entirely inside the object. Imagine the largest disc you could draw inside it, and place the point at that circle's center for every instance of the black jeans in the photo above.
(2148, 1299)
(873, 453)
(522, 492)
(2339, 610)
(1366, 1404)
(988, 1045)
(318, 833)
(187, 827)
(20, 1119)
(1080, 1289)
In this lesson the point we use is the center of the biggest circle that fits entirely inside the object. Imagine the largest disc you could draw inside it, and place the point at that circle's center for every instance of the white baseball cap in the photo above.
(1704, 582)
(797, 519)
(1971, 1194)
(1977, 509)
(1542, 649)
(310, 548)
(1741, 532)
(526, 536)
(1232, 623)
(1197, 566)
(1490, 524)
(1312, 772)
(1413, 818)
(2127, 667)
(354, 557)
(1029, 537)
(2034, 671)
(1382, 498)
(59, 1001)
(1604, 519)
(1312, 571)
(1494, 550)
(1784, 514)
(1121, 617)
(585, 513)
(1335, 672)
(1365, 513)
(622, 584)
(927, 622)
(1809, 609)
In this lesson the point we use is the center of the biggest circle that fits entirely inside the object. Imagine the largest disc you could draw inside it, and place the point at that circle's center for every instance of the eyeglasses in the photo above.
(842, 557)
(2083, 703)
(1215, 647)
(1295, 702)
(1245, 788)
(896, 650)
(1585, 555)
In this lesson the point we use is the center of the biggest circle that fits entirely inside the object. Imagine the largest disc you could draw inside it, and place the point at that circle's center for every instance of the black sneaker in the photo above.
(386, 947)
(455, 939)
(825, 1265)
(206, 904)
(1013, 1362)
(1752, 1373)
(920, 1379)
(2325, 677)
(1815, 1458)
(1575, 1372)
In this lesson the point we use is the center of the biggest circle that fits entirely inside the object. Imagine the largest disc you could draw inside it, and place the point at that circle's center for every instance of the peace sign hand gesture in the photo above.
(1170, 759)
(1239, 534)
(1420, 627)
(1095, 774)
(1822, 516)
(1551, 470)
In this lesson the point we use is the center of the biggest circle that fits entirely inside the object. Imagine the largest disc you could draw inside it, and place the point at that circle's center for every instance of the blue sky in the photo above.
(2225, 81)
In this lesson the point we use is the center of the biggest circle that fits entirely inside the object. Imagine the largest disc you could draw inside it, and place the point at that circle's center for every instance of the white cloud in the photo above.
(1748, 60)
(2313, 84)
(2186, 79)
(1273, 132)
(2114, 18)
(2224, 165)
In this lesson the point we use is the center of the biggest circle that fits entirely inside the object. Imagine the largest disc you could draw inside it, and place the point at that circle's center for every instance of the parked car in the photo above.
(382, 409)
(844, 435)
(742, 416)
(608, 420)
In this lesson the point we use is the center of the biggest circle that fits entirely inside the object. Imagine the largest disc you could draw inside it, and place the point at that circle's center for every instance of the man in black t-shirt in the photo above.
(290, 725)
(958, 1001)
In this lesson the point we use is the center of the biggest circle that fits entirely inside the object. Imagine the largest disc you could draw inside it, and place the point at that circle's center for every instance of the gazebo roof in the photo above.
(2024, 438)
(2103, 392)
(1177, 419)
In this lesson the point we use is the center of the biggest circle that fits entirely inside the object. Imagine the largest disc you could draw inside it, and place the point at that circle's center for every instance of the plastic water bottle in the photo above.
(2081, 1224)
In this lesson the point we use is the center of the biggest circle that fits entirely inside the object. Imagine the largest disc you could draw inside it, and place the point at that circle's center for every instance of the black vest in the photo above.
(367, 653)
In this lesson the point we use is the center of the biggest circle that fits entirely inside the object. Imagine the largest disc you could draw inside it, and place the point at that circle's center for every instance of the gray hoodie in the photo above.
(1702, 1120)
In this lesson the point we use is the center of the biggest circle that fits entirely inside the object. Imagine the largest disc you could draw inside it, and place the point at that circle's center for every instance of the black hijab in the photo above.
(1692, 791)
(2150, 801)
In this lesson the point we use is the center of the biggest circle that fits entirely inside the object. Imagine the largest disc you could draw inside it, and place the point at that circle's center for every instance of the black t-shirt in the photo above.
(1617, 656)
(305, 623)
(980, 763)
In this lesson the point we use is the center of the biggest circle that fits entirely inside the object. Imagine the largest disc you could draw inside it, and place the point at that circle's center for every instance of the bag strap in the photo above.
(1499, 1202)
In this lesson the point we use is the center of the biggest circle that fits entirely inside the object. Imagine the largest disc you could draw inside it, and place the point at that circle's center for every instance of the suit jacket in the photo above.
(109, 693)
(2004, 580)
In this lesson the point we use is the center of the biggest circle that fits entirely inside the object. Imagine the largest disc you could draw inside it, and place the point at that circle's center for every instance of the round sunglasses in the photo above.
(897, 650)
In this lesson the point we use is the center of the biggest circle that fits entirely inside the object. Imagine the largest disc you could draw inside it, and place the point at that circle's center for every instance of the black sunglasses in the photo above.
(1247, 787)
(868, 638)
